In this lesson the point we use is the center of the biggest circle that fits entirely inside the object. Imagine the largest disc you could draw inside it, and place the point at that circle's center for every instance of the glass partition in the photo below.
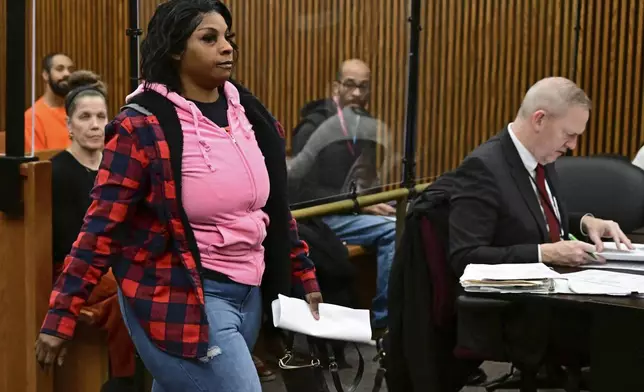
(337, 66)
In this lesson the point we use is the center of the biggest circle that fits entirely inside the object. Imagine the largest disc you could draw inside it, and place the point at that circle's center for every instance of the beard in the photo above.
(58, 88)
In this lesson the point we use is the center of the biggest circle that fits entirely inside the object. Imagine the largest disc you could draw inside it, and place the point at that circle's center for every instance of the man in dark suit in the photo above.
(506, 208)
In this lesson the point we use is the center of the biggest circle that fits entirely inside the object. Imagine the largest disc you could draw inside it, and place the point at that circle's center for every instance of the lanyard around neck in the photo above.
(343, 126)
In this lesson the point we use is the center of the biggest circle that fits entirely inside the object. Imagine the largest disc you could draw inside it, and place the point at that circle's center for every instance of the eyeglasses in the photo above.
(350, 85)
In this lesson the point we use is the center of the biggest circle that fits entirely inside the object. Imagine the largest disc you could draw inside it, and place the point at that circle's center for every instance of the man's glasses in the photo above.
(350, 85)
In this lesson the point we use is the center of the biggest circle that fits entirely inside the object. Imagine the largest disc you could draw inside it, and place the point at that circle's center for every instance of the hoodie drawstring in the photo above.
(204, 147)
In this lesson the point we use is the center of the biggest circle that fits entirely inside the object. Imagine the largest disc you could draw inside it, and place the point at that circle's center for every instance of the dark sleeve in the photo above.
(474, 216)
(66, 215)
(304, 132)
(574, 224)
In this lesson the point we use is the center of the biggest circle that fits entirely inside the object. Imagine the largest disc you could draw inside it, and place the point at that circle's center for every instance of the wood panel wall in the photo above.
(477, 58)
(91, 32)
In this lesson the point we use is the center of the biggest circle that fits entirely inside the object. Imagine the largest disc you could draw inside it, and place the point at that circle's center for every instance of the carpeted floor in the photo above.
(492, 369)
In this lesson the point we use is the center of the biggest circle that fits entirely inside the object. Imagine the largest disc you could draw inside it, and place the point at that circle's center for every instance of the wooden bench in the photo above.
(365, 285)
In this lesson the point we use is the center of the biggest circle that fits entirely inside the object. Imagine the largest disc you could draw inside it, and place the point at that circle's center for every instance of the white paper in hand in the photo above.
(336, 322)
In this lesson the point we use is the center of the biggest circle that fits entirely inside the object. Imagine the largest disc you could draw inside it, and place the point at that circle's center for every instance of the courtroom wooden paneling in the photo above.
(611, 70)
(477, 58)
(290, 52)
(25, 246)
(86, 365)
(45, 155)
(92, 32)
(37, 262)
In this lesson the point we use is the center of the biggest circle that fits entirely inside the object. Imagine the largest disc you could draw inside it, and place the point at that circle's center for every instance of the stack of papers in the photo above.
(336, 322)
(611, 252)
(636, 267)
(509, 278)
(620, 260)
(537, 278)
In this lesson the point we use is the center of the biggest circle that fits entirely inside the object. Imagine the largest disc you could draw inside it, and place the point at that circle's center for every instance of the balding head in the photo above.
(554, 95)
(353, 83)
(353, 66)
(553, 115)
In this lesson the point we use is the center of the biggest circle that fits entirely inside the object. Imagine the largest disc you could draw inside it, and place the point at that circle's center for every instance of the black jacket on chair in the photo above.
(422, 289)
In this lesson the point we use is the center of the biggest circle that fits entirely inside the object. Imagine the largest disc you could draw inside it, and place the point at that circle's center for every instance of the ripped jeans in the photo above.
(234, 315)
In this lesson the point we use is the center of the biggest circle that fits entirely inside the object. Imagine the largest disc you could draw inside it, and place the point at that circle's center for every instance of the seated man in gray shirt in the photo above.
(335, 151)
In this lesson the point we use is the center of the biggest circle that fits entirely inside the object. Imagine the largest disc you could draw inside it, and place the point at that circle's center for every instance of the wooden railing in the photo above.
(25, 282)
(25, 286)
(400, 195)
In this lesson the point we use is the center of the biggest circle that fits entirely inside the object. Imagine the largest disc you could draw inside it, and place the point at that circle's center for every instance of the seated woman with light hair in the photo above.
(73, 174)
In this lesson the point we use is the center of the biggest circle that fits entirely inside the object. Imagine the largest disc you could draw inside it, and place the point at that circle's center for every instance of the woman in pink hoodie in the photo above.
(190, 212)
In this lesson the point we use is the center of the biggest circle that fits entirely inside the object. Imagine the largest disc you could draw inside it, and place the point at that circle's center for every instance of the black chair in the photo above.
(614, 156)
(444, 297)
(425, 309)
(606, 187)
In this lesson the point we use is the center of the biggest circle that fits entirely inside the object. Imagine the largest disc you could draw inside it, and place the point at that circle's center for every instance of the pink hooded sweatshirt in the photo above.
(225, 185)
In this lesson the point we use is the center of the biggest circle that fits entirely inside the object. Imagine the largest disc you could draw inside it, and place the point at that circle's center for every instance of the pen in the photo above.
(573, 238)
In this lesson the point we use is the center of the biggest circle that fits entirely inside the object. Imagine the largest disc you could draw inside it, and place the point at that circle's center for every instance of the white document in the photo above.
(619, 266)
(336, 322)
(496, 272)
(600, 282)
(611, 252)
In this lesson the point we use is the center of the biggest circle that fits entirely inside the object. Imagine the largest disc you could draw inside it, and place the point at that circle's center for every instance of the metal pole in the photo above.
(15, 80)
(575, 44)
(11, 194)
(134, 32)
(575, 52)
(409, 158)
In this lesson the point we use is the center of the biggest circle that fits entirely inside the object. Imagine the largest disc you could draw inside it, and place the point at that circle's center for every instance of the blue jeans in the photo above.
(376, 232)
(234, 315)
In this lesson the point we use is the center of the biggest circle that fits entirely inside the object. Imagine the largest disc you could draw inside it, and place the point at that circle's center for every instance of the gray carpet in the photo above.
(492, 369)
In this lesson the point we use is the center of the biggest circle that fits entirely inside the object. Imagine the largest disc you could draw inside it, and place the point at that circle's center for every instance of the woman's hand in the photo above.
(49, 350)
(314, 300)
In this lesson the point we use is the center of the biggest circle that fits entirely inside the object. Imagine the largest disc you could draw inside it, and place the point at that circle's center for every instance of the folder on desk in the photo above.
(611, 252)
(509, 278)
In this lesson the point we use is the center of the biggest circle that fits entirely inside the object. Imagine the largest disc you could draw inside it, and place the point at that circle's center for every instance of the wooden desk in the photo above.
(617, 336)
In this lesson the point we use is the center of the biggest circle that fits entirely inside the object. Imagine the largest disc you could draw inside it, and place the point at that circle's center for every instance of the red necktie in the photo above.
(548, 209)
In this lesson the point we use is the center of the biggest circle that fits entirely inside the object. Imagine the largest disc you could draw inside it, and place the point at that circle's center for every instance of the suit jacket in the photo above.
(495, 214)
(495, 217)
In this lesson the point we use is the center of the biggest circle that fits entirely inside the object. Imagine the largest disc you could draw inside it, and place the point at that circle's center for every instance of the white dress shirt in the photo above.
(639, 159)
(530, 163)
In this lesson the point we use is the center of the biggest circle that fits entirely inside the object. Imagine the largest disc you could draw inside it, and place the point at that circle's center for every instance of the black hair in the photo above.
(83, 83)
(48, 60)
(171, 25)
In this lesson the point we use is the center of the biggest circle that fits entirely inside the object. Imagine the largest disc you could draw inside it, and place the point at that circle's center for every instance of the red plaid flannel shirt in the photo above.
(149, 258)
